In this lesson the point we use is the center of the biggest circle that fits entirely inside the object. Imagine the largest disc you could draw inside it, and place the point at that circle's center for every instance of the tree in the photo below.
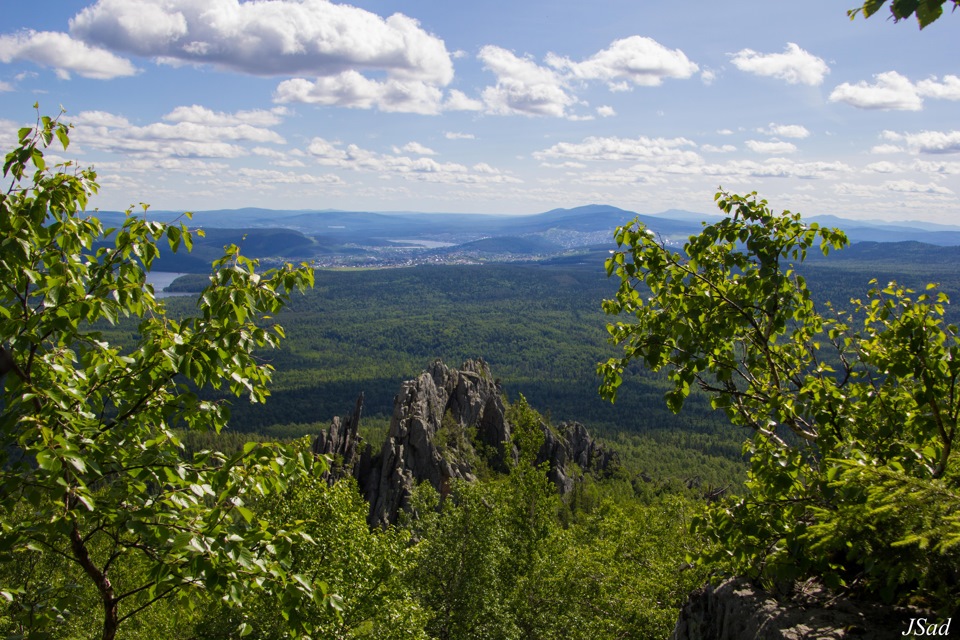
(366, 569)
(926, 11)
(853, 414)
(92, 470)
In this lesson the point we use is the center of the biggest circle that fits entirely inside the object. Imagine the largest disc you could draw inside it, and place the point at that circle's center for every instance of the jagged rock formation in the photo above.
(572, 444)
(735, 609)
(446, 424)
(342, 443)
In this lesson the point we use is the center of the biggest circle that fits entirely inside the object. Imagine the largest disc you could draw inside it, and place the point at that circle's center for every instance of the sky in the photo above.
(493, 106)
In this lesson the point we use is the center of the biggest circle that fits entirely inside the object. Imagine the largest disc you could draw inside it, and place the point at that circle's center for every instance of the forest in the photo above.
(157, 477)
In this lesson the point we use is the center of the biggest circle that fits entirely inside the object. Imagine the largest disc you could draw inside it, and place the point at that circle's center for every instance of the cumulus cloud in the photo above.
(927, 141)
(772, 147)
(885, 149)
(910, 186)
(5, 86)
(527, 88)
(416, 148)
(351, 89)
(883, 167)
(456, 135)
(776, 168)
(606, 111)
(523, 87)
(785, 130)
(273, 176)
(636, 60)
(201, 115)
(64, 54)
(614, 148)
(890, 91)
(794, 65)
(939, 167)
(189, 135)
(352, 157)
(459, 101)
(709, 148)
(267, 38)
(948, 89)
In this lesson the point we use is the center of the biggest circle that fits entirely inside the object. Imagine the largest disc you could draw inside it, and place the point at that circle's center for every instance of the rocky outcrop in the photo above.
(735, 609)
(437, 420)
(342, 442)
(571, 443)
(446, 425)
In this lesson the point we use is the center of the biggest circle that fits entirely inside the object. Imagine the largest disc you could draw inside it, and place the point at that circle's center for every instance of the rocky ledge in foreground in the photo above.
(446, 423)
(735, 609)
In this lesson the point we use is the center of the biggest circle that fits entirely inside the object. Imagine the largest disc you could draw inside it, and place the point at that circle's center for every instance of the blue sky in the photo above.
(494, 107)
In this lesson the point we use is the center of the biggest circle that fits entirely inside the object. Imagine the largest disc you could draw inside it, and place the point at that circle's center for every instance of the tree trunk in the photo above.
(110, 609)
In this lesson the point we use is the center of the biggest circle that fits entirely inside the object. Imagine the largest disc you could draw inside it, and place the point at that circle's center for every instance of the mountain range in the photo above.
(366, 238)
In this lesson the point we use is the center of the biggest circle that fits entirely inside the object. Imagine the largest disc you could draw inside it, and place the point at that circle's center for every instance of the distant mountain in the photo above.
(528, 245)
(367, 238)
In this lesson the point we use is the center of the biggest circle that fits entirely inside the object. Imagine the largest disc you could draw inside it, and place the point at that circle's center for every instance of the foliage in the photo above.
(494, 562)
(92, 472)
(926, 11)
(366, 569)
(843, 406)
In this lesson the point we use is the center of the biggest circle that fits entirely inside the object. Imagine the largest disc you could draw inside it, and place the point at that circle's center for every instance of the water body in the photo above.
(420, 244)
(161, 280)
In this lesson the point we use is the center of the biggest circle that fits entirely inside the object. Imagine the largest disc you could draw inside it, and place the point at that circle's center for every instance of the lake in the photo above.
(162, 279)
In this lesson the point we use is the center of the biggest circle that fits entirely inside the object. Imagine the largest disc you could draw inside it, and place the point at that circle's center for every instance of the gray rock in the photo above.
(446, 424)
(735, 610)
(571, 443)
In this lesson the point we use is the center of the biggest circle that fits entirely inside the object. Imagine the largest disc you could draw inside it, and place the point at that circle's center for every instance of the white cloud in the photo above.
(355, 158)
(351, 89)
(192, 166)
(278, 158)
(890, 91)
(5, 86)
(523, 87)
(64, 54)
(725, 132)
(909, 186)
(415, 147)
(795, 66)
(456, 135)
(785, 130)
(563, 165)
(944, 168)
(928, 141)
(886, 148)
(776, 168)
(709, 148)
(772, 147)
(201, 115)
(268, 38)
(638, 60)
(883, 167)
(99, 119)
(459, 101)
(287, 177)
(949, 89)
(606, 111)
(613, 148)
(182, 139)
(708, 76)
